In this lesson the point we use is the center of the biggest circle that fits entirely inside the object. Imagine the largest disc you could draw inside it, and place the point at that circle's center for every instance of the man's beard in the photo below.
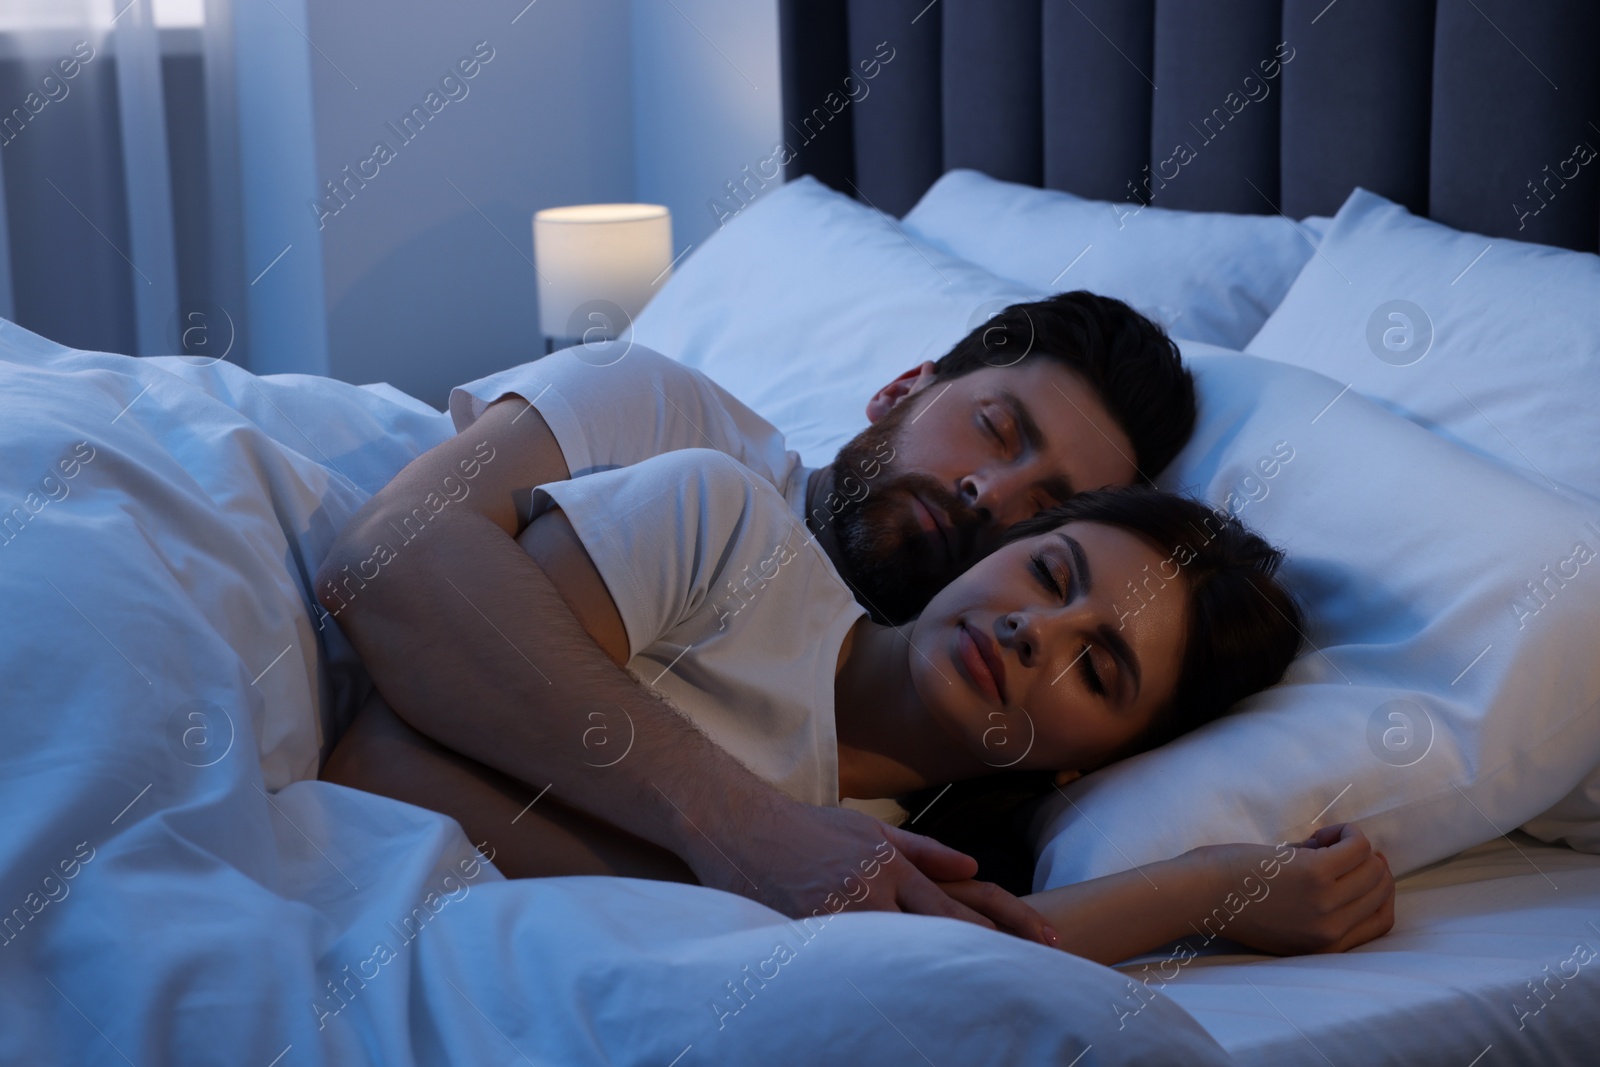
(885, 555)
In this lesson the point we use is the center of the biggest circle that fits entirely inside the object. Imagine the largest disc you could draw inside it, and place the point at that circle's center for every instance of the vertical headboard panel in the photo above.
(814, 54)
(1339, 130)
(1212, 148)
(1483, 114)
(1098, 78)
(1512, 98)
(993, 100)
(899, 142)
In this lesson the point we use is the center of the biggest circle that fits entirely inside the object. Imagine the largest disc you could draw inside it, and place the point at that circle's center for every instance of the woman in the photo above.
(1102, 627)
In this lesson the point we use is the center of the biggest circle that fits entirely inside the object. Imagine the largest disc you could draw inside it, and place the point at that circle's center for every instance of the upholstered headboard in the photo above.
(1482, 114)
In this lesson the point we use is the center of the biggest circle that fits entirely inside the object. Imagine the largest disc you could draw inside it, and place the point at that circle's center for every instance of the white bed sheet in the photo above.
(1449, 985)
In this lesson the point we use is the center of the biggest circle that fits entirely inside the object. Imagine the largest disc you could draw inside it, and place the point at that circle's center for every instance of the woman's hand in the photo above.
(1002, 911)
(1330, 893)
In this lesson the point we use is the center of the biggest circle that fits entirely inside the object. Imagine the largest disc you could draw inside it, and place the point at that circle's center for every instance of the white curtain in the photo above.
(152, 153)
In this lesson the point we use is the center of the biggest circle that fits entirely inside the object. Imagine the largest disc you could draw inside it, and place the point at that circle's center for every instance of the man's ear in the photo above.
(908, 384)
(1067, 777)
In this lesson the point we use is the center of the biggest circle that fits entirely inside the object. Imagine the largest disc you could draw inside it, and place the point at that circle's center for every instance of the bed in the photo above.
(179, 888)
(1461, 112)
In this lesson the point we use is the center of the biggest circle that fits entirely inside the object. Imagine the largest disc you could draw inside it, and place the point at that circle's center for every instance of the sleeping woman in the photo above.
(1101, 628)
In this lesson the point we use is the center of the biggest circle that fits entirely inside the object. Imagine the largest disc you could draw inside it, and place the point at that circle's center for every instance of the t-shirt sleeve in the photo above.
(661, 532)
(619, 412)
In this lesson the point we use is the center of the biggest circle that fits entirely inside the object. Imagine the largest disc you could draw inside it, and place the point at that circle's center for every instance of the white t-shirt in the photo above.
(732, 610)
(643, 405)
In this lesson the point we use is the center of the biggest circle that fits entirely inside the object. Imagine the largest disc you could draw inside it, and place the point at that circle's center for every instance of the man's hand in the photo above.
(804, 860)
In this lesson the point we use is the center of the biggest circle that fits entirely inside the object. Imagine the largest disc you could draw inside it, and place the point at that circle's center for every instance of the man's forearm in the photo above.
(462, 619)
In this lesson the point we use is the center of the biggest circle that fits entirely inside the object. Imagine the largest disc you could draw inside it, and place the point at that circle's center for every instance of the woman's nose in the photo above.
(1017, 633)
(1035, 635)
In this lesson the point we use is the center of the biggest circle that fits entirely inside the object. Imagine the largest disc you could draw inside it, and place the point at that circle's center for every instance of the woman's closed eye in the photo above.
(1091, 674)
(1046, 574)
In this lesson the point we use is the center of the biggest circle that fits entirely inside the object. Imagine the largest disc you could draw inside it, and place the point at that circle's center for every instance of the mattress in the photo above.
(1494, 959)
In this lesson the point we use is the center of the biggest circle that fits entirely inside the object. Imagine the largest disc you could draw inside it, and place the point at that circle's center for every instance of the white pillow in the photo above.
(807, 290)
(1412, 558)
(1208, 275)
(1499, 350)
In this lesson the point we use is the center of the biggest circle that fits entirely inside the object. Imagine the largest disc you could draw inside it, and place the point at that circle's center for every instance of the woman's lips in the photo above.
(982, 662)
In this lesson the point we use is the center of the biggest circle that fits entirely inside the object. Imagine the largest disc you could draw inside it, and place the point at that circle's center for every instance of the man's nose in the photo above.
(1000, 498)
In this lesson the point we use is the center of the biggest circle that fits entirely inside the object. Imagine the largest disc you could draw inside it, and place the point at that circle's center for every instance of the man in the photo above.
(463, 633)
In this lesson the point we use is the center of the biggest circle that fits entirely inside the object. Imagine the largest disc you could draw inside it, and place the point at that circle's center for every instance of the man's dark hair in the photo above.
(1243, 629)
(1129, 361)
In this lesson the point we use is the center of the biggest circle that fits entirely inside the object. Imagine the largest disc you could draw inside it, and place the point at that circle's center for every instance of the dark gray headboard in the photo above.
(1472, 112)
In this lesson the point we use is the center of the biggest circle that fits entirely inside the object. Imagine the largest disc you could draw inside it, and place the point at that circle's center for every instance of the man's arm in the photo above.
(472, 645)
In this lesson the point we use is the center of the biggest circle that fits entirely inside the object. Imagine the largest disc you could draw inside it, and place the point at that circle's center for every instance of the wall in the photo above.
(428, 270)
(428, 275)
(706, 105)
(419, 272)
(66, 222)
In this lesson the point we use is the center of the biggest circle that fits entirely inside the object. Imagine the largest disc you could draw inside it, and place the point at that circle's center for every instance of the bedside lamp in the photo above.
(599, 264)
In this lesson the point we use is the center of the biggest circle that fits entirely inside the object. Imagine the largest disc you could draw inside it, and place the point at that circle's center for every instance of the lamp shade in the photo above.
(599, 264)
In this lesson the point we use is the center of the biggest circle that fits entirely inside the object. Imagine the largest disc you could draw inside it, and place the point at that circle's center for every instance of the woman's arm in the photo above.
(1328, 894)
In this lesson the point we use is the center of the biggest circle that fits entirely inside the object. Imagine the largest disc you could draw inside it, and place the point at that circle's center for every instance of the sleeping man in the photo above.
(490, 671)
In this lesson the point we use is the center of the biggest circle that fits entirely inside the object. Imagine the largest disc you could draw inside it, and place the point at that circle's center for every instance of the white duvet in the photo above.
(175, 887)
